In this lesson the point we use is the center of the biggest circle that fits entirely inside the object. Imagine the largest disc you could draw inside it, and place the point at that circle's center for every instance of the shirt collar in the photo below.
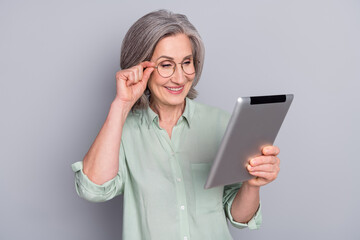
(187, 115)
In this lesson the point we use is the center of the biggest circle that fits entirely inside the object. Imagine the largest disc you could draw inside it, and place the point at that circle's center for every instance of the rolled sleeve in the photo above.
(93, 192)
(229, 196)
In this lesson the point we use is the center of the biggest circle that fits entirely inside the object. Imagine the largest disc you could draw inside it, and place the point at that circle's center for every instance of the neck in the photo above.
(167, 113)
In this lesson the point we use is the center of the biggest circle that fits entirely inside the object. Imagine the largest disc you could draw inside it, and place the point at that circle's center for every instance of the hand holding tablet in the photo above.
(254, 125)
(264, 168)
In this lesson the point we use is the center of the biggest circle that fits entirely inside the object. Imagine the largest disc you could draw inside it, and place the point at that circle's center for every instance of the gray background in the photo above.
(57, 67)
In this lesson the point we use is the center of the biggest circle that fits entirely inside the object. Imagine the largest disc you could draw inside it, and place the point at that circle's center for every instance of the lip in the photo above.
(175, 90)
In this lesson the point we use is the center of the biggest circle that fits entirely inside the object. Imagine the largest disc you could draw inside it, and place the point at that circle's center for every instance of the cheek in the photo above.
(154, 83)
(149, 83)
(191, 81)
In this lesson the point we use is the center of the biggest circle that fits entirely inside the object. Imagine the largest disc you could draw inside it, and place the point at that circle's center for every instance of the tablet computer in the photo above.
(254, 123)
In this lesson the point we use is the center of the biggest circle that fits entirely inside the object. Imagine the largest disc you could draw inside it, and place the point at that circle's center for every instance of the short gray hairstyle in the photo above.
(142, 37)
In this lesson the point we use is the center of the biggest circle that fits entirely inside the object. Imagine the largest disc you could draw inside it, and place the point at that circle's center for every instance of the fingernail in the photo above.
(252, 161)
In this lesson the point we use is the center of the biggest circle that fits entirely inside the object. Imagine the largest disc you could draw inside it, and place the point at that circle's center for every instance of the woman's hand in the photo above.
(265, 168)
(131, 83)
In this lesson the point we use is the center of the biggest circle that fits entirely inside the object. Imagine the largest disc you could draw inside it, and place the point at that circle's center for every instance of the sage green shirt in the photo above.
(163, 179)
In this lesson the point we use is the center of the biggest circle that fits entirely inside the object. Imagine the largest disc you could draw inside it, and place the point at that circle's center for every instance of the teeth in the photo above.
(174, 89)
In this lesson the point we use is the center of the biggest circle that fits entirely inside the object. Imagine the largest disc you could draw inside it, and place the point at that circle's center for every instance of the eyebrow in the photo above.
(171, 58)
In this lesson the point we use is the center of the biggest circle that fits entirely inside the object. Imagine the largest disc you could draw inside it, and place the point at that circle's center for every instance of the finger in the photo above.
(147, 64)
(130, 78)
(122, 79)
(147, 74)
(270, 150)
(140, 70)
(122, 84)
(268, 176)
(270, 168)
(125, 76)
(264, 160)
(135, 71)
(144, 66)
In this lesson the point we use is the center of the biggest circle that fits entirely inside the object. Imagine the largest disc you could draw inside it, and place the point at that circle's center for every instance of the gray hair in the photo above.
(142, 37)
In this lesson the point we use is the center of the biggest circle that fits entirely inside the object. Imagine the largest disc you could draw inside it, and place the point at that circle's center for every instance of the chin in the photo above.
(169, 98)
(175, 101)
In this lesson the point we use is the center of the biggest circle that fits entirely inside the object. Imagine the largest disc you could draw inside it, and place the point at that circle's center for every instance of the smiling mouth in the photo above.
(175, 89)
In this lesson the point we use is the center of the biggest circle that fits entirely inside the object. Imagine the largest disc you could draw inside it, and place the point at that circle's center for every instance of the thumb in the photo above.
(147, 74)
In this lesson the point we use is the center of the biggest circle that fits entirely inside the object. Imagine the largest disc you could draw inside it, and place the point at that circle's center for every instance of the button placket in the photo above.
(170, 147)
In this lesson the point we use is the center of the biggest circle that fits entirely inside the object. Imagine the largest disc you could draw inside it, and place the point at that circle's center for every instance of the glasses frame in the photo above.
(174, 68)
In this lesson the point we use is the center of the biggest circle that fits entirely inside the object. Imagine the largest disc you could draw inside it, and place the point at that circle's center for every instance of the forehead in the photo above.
(177, 47)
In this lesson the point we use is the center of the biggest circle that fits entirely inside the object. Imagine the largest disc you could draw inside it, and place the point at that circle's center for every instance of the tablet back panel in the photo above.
(254, 124)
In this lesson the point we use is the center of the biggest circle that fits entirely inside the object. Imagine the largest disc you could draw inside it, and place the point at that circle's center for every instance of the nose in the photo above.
(179, 76)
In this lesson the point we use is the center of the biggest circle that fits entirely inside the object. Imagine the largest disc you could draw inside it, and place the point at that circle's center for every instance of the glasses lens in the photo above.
(166, 68)
(188, 66)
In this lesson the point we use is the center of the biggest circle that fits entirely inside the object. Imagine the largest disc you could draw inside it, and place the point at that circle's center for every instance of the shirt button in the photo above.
(182, 207)
(185, 238)
(178, 179)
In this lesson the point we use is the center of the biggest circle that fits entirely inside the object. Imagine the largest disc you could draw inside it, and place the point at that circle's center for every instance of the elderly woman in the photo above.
(157, 144)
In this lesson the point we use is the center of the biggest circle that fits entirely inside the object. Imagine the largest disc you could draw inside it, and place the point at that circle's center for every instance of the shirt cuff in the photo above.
(254, 222)
(91, 191)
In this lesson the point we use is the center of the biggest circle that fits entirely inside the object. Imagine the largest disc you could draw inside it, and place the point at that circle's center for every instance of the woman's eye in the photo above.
(166, 64)
(187, 62)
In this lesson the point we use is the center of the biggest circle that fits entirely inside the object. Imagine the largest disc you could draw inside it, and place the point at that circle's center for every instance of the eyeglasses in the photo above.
(167, 67)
